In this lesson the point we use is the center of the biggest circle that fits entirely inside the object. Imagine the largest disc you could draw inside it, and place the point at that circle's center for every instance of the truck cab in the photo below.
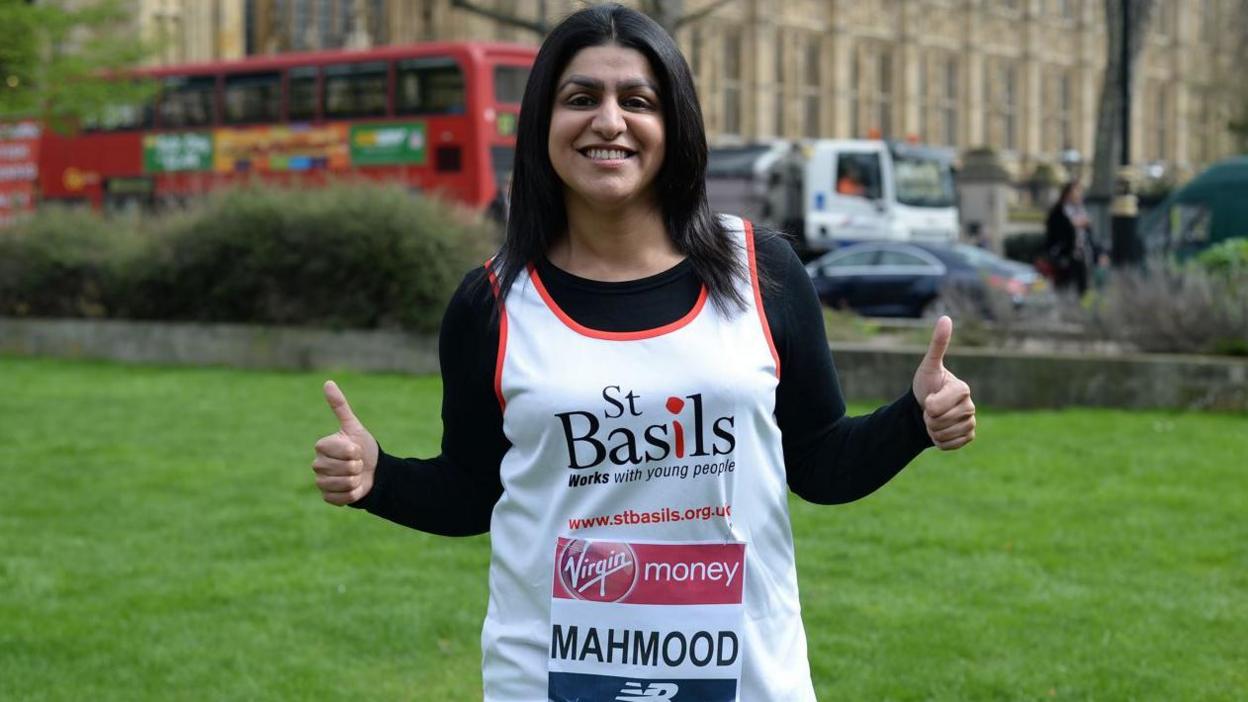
(868, 190)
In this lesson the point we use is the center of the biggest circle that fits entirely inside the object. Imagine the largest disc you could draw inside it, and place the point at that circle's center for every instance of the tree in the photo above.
(670, 14)
(60, 65)
(1109, 134)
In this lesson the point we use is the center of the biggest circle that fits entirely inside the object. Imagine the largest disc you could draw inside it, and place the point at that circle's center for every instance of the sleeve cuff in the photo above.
(910, 405)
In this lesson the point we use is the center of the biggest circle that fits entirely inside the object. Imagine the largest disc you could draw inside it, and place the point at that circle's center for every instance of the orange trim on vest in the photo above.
(502, 337)
(758, 294)
(614, 336)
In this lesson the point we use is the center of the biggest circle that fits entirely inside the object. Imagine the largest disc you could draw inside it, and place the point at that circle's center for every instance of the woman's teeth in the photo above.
(607, 154)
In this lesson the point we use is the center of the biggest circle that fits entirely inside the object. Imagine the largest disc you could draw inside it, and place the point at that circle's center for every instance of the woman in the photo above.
(1068, 241)
(626, 444)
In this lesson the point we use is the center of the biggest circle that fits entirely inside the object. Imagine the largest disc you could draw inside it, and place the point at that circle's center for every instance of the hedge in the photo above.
(350, 255)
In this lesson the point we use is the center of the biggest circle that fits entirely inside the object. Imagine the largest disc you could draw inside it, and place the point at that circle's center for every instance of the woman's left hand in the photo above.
(948, 411)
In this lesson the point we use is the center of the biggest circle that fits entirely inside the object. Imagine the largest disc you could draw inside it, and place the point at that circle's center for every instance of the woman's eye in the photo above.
(580, 100)
(637, 103)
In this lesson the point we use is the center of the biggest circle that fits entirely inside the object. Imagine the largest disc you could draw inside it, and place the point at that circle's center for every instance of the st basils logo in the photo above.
(601, 571)
(592, 441)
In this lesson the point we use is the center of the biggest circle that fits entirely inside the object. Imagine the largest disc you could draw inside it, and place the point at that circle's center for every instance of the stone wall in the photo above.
(1024, 380)
(867, 373)
(237, 345)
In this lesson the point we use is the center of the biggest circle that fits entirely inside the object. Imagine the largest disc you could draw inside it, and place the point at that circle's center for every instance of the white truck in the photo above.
(831, 192)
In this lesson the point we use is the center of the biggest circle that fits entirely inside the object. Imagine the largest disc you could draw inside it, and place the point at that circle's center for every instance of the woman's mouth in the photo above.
(598, 154)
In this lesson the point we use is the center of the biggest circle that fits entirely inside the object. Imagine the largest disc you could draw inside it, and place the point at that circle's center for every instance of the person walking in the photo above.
(631, 387)
(1068, 240)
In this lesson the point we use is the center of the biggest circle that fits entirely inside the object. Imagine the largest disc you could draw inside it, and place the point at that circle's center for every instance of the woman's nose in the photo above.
(608, 121)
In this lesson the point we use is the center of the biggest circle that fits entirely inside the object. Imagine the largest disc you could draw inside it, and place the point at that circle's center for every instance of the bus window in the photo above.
(252, 97)
(509, 83)
(301, 105)
(355, 90)
(187, 102)
(115, 118)
(430, 86)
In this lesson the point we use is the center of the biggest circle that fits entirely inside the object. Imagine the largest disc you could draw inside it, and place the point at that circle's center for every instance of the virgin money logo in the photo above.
(600, 571)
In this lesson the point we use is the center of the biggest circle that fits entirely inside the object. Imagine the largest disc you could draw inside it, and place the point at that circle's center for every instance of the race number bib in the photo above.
(646, 621)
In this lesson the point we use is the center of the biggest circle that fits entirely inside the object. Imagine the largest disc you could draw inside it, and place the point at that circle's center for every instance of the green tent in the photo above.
(1210, 208)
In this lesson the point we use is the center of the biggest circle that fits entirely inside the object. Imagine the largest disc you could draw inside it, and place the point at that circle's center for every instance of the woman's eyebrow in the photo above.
(595, 84)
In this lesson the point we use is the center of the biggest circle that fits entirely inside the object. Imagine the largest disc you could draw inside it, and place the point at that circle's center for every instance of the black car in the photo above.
(902, 279)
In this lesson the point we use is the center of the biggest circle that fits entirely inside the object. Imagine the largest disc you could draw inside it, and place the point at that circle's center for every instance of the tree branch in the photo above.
(539, 27)
(699, 14)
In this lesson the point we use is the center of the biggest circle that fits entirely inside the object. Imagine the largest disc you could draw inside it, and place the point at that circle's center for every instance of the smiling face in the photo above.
(606, 129)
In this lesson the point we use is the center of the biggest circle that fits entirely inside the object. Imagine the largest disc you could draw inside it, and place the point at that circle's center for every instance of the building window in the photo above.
(855, 94)
(924, 97)
(377, 23)
(813, 88)
(1162, 135)
(949, 104)
(1001, 105)
(1199, 127)
(732, 82)
(695, 53)
(302, 18)
(1164, 19)
(1065, 102)
(1009, 82)
(324, 25)
(346, 10)
(884, 93)
(778, 85)
(1208, 20)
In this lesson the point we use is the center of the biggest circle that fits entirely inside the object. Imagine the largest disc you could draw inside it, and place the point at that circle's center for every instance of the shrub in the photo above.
(349, 255)
(62, 263)
(1026, 247)
(1173, 309)
(1228, 257)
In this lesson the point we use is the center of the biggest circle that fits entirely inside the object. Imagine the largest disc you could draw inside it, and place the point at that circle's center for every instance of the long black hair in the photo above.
(538, 216)
(1067, 188)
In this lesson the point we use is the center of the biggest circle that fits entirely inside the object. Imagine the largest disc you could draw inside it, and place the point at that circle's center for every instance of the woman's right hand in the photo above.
(347, 459)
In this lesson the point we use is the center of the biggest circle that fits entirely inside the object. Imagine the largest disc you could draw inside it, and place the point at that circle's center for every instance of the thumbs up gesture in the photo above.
(948, 411)
(347, 459)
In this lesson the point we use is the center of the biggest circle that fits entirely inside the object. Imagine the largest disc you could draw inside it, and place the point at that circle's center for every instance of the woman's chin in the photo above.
(612, 199)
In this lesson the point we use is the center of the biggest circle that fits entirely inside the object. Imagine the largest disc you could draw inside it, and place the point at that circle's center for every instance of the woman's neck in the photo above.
(625, 244)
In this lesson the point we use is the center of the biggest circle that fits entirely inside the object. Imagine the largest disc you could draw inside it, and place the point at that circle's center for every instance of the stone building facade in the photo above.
(186, 31)
(1022, 76)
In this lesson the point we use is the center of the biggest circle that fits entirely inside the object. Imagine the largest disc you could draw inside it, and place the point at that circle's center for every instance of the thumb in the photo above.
(934, 360)
(338, 403)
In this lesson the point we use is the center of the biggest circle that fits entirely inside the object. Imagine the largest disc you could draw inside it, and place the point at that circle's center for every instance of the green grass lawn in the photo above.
(161, 539)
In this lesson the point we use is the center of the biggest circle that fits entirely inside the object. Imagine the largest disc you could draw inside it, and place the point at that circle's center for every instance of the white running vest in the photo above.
(641, 549)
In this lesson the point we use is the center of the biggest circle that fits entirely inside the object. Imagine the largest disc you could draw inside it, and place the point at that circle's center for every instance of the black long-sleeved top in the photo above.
(829, 457)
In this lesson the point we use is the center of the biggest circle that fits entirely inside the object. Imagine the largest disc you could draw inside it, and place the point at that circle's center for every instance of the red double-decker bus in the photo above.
(438, 117)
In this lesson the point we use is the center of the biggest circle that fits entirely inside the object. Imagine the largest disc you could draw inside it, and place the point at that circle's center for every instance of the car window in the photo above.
(901, 258)
(858, 258)
(858, 175)
(975, 255)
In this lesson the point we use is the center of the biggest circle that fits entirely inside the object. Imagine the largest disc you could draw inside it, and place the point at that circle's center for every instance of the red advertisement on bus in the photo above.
(19, 169)
(439, 118)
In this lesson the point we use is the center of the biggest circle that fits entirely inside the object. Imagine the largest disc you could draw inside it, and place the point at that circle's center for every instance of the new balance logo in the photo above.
(633, 692)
